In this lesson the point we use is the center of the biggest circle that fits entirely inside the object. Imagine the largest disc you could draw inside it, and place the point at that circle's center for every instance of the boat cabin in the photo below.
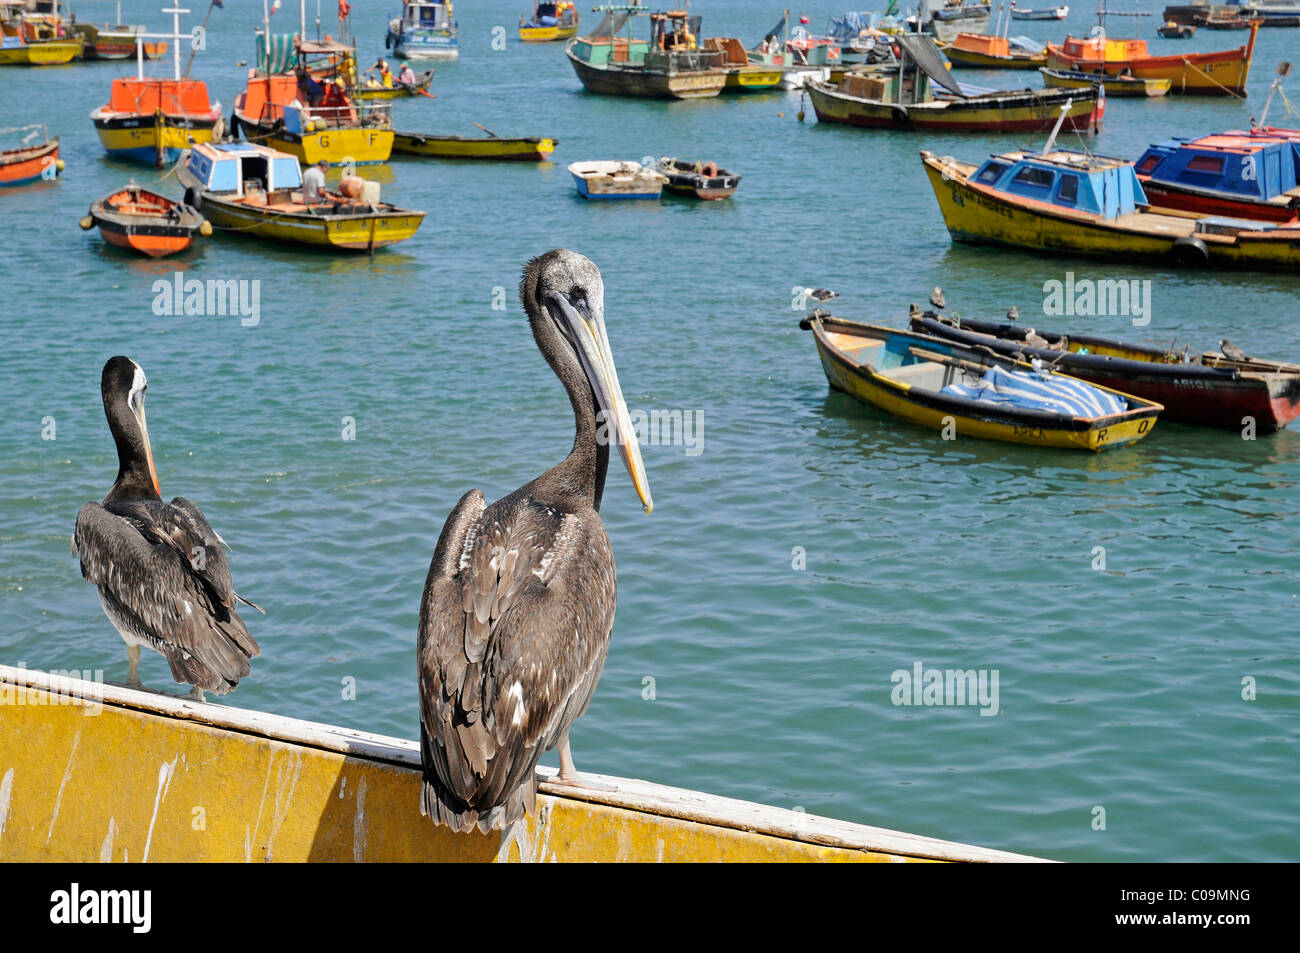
(142, 96)
(1232, 164)
(425, 15)
(1075, 180)
(1099, 48)
(241, 169)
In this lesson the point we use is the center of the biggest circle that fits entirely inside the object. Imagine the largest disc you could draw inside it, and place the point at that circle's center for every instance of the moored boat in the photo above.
(1172, 30)
(672, 64)
(30, 161)
(1237, 174)
(146, 222)
(699, 180)
(903, 97)
(256, 191)
(310, 111)
(117, 40)
(1047, 13)
(1202, 388)
(152, 120)
(744, 73)
(1220, 73)
(17, 51)
(36, 33)
(501, 148)
(944, 19)
(990, 51)
(617, 180)
(1064, 202)
(549, 22)
(424, 30)
(1114, 85)
(964, 392)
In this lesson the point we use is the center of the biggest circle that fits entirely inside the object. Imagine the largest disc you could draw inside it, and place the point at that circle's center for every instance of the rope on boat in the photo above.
(1187, 62)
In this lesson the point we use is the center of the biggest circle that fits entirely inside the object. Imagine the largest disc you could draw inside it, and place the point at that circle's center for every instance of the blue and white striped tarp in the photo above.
(1040, 391)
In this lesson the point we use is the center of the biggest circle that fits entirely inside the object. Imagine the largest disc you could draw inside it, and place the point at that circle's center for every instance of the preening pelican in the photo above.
(160, 568)
(519, 602)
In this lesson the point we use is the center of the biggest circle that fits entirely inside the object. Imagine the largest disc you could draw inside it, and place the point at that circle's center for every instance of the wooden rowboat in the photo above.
(30, 163)
(1205, 389)
(1115, 85)
(500, 148)
(295, 791)
(617, 180)
(398, 90)
(963, 392)
(146, 222)
(699, 180)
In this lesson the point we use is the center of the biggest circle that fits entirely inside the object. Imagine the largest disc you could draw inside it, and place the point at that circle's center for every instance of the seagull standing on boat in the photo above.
(1231, 351)
(519, 602)
(160, 569)
(937, 299)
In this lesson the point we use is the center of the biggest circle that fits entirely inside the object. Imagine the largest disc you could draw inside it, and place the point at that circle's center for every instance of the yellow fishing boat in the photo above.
(257, 191)
(549, 22)
(491, 146)
(1115, 85)
(965, 392)
(309, 113)
(15, 51)
(1060, 201)
(744, 74)
(262, 787)
(370, 90)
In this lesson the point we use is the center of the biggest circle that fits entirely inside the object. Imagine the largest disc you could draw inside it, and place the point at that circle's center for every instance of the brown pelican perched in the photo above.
(160, 569)
(519, 603)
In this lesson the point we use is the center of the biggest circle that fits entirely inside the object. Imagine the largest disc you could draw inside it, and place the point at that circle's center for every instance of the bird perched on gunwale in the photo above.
(519, 602)
(160, 569)
(1231, 351)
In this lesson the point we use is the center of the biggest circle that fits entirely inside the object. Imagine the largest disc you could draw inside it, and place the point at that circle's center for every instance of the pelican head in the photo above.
(564, 296)
(122, 386)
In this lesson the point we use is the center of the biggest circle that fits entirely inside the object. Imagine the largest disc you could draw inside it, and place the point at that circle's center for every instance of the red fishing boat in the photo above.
(146, 222)
(30, 162)
(1208, 388)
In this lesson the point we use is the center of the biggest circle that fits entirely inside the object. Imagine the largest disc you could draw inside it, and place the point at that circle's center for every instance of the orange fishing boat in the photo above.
(146, 222)
(1222, 73)
(30, 163)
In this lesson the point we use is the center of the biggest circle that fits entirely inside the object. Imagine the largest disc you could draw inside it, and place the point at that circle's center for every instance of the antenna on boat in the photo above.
(1060, 120)
(1283, 70)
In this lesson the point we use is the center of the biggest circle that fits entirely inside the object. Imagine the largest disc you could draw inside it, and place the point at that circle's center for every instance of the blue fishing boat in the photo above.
(1251, 175)
(424, 30)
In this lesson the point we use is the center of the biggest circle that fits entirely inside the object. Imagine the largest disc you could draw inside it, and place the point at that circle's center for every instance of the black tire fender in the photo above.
(1191, 252)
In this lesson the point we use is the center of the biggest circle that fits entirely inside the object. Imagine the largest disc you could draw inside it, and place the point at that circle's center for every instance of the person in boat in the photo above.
(313, 186)
(334, 103)
(407, 76)
(385, 77)
(311, 90)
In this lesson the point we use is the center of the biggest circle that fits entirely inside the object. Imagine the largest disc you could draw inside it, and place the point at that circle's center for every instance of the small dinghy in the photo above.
(1177, 31)
(146, 222)
(617, 180)
(699, 180)
(967, 392)
(1050, 13)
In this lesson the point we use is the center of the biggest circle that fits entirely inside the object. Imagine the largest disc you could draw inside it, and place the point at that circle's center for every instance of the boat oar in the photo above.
(487, 130)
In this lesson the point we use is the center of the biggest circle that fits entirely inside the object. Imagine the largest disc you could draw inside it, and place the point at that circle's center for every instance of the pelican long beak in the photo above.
(148, 449)
(586, 328)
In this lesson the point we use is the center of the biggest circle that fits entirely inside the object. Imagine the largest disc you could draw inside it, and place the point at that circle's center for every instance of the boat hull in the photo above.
(1191, 394)
(141, 138)
(753, 79)
(937, 411)
(361, 233)
(1034, 110)
(977, 215)
(1116, 86)
(359, 145)
(46, 53)
(547, 34)
(1163, 195)
(502, 148)
(24, 166)
(976, 60)
(397, 90)
(152, 233)
(700, 84)
(281, 789)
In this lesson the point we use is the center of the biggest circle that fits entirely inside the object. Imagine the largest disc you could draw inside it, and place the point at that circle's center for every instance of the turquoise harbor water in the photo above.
(1119, 689)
